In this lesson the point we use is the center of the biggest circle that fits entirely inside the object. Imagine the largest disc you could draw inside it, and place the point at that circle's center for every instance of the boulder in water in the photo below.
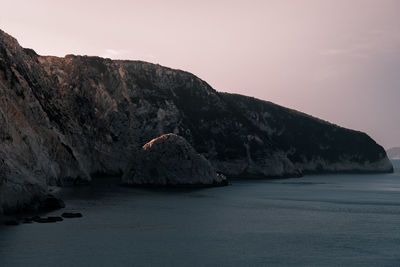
(170, 160)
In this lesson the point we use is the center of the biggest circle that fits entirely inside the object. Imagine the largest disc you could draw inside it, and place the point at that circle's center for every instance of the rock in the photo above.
(71, 215)
(50, 202)
(50, 219)
(27, 220)
(171, 160)
(11, 222)
(35, 218)
(55, 218)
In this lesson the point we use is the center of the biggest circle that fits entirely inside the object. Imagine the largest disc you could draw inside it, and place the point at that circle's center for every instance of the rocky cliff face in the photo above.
(32, 152)
(65, 119)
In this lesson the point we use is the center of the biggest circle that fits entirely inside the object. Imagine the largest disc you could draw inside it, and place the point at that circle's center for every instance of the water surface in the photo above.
(319, 220)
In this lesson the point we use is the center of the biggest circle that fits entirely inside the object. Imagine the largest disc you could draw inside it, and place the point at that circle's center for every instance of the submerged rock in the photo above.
(55, 218)
(11, 222)
(71, 215)
(50, 219)
(171, 160)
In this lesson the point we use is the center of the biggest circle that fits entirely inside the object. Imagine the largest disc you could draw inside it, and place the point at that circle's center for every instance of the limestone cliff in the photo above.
(65, 119)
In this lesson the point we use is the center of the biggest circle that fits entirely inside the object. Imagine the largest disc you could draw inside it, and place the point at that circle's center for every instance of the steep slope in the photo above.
(311, 144)
(65, 119)
(32, 154)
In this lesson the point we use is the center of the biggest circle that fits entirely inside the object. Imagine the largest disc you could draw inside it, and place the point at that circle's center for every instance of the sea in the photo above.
(316, 220)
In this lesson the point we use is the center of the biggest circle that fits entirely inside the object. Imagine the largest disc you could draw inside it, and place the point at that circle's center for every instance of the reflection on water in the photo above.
(351, 220)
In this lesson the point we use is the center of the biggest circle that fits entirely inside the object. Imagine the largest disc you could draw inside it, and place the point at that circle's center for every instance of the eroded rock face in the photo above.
(33, 154)
(62, 120)
(171, 160)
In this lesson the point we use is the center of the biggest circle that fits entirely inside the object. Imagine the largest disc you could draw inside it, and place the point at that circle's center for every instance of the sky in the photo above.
(338, 60)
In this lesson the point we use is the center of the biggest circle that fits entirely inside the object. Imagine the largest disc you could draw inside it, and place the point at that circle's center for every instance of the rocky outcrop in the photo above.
(64, 120)
(171, 160)
(394, 153)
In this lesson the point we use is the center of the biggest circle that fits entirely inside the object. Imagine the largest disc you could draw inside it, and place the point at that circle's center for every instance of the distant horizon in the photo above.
(335, 60)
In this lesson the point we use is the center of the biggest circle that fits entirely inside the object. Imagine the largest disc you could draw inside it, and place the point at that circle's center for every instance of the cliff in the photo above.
(64, 120)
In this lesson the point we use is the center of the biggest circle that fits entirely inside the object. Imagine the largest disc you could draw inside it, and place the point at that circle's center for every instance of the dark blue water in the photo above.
(322, 220)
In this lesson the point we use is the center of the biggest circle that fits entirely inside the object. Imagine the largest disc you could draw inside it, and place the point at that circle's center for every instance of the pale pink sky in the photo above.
(335, 59)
